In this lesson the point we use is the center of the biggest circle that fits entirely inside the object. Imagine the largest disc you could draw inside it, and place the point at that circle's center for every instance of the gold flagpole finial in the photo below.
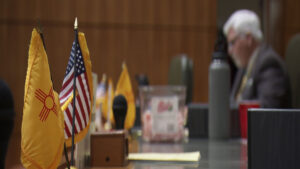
(76, 23)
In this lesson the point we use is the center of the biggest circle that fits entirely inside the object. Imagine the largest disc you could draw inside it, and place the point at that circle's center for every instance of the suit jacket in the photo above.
(268, 81)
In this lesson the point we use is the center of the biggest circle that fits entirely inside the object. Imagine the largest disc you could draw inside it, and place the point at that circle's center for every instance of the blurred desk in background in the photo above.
(223, 154)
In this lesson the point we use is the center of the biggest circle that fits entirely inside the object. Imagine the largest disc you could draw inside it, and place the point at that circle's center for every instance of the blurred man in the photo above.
(262, 75)
(6, 119)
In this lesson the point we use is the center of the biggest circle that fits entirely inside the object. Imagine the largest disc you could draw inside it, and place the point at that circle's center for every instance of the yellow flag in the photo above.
(100, 97)
(107, 104)
(101, 92)
(42, 124)
(124, 88)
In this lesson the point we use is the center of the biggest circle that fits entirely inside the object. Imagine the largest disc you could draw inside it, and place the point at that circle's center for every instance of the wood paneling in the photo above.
(282, 23)
(291, 21)
(145, 34)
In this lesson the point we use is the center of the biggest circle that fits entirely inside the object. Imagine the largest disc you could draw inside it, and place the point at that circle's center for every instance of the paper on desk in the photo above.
(187, 156)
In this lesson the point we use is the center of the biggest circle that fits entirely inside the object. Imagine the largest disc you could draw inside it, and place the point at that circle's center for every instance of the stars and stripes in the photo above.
(83, 99)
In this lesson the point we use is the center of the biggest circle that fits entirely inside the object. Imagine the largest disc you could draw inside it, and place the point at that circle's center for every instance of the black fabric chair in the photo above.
(273, 138)
(292, 58)
(181, 73)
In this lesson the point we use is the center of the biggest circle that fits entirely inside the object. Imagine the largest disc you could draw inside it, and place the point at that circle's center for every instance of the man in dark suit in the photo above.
(262, 76)
(6, 119)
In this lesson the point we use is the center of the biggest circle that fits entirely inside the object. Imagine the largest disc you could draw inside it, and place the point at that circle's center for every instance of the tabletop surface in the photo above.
(216, 154)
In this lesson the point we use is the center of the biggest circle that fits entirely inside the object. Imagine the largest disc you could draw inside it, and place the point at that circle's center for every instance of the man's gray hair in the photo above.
(244, 22)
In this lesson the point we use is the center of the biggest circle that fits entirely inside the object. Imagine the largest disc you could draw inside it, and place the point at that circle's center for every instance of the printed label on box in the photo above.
(165, 112)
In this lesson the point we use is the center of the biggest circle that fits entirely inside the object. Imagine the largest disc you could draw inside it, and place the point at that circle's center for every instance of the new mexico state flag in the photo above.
(124, 88)
(42, 124)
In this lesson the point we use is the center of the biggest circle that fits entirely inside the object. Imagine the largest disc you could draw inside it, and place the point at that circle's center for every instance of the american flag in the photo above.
(83, 98)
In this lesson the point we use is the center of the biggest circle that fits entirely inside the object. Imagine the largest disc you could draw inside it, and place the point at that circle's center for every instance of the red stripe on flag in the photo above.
(71, 119)
(84, 92)
(82, 111)
(66, 94)
(68, 81)
(84, 99)
(68, 116)
(67, 130)
(78, 119)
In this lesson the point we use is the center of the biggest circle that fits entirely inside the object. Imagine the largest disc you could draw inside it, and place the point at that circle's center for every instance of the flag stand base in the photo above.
(109, 149)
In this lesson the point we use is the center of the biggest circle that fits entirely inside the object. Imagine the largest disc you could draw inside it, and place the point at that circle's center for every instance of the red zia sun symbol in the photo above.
(49, 104)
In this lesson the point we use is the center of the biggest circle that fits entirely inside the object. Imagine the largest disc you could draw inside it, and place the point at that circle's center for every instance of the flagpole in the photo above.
(40, 31)
(74, 90)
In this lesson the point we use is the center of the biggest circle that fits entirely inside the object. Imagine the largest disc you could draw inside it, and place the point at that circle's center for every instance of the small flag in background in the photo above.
(124, 88)
(107, 106)
(42, 124)
(101, 91)
(100, 97)
(84, 91)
